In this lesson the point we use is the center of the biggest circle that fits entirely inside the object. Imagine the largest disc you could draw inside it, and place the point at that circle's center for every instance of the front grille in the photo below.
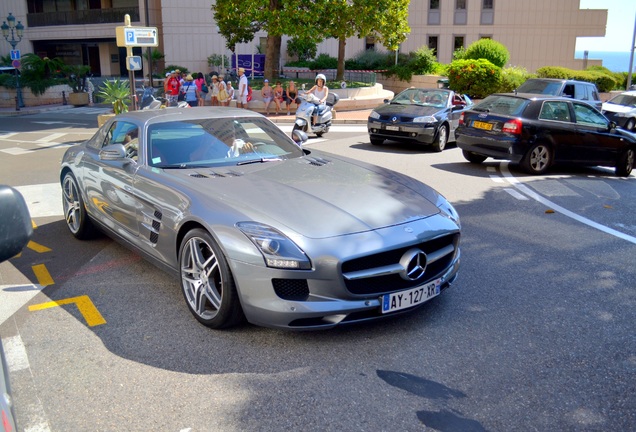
(291, 289)
(391, 282)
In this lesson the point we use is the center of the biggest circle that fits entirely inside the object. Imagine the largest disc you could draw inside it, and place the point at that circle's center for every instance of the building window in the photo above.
(461, 16)
(433, 12)
(432, 43)
(458, 42)
(487, 12)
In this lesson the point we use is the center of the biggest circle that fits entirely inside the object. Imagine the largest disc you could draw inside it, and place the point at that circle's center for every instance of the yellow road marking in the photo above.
(84, 305)
(37, 247)
(42, 274)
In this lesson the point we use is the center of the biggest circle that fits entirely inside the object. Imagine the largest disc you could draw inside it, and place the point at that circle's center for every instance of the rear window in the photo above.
(499, 104)
(540, 87)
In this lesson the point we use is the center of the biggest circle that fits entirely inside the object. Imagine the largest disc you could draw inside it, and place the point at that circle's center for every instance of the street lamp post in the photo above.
(10, 32)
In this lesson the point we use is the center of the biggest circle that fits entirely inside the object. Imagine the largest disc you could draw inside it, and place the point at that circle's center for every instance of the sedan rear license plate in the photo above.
(393, 128)
(408, 298)
(482, 125)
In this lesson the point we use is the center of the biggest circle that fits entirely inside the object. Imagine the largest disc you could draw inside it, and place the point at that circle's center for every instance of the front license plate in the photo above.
(393, 128)
(482, 125)
(405, 299)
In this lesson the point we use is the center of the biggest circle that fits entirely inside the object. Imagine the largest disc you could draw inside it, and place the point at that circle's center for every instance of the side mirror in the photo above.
(16, 228)
(386, 101)
(299, 137)
(612, 125)
(112, 152)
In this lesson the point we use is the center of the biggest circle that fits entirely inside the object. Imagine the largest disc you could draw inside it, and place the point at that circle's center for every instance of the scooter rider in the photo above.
(321, 91)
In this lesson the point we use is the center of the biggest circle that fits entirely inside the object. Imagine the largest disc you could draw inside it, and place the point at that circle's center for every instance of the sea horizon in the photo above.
(616, 61)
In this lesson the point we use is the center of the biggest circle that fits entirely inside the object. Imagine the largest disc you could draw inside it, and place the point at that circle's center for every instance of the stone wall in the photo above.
(53, 95)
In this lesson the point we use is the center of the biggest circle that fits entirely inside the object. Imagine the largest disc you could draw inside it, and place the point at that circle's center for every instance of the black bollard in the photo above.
(17, 105)
(64, 99)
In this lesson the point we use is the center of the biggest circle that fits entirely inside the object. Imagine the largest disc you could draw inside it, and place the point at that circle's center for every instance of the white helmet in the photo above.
(322, 77)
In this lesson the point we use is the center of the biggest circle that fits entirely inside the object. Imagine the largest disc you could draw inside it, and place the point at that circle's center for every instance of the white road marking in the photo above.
(516, 194)
(557, 208)
(335, 128)
(50, 138)
(16, 151)
(43, 199)
(496, 179)
(6, 135)
(16, 354)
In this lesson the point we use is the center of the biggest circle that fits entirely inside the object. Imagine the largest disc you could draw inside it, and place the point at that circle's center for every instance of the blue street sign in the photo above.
(15, 54)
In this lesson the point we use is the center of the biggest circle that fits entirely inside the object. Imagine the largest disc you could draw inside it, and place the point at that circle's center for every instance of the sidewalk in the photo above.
(342, 117)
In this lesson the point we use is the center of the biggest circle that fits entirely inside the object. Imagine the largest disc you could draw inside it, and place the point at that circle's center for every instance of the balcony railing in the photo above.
(89, 16)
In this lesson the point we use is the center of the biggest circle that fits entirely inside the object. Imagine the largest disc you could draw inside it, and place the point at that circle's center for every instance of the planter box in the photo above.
(78, 99)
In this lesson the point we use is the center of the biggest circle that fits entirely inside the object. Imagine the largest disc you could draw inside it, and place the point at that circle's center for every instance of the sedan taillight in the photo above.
(513, 126)
(461, 119)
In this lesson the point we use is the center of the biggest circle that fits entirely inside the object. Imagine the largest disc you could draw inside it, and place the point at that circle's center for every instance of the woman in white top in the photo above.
(321, 91)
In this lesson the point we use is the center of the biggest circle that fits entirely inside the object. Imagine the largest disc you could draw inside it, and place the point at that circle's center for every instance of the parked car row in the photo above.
(544, 123)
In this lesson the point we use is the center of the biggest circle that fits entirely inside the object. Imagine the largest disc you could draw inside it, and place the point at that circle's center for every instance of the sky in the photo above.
(620, 26)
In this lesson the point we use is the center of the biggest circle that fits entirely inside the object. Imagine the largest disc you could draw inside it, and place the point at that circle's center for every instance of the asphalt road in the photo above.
(537, 333)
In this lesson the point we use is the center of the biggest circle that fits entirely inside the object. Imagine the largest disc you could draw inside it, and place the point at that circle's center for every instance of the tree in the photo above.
(387, 20)
(238, 21)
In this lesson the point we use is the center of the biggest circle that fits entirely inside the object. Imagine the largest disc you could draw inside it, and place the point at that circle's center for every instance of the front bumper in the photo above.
(424, 133)
(275, 298)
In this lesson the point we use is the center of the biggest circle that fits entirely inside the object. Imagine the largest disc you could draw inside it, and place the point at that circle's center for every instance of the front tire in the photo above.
(442, 139)
(376, 140)
(77, 219)
(207, 283)
(473, 157)
(625, 163)
(537, 160)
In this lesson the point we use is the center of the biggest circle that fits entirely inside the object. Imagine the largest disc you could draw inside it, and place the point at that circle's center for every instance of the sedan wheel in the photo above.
(625, 163)
(77, 220)
(207, 283)
(537, 160)
(473, 157)
(376, 140)
(442, 139)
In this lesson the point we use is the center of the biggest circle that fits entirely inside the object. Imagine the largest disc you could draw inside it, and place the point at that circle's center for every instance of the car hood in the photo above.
(317, 197)
(617, 108)
(407, 110)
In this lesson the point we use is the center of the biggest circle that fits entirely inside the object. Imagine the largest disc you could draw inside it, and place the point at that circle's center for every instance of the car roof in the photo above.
(561, 80)
(189, 113)
(535, 96)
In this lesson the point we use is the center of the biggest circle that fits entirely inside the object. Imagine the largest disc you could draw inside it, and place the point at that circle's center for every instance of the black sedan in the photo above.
(419, 115)
(537, 132)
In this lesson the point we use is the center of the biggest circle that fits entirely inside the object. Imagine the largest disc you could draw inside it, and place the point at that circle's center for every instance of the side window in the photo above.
(589, 117)
(580, 92)
(97, 142)
(556, 111)
(568, 91)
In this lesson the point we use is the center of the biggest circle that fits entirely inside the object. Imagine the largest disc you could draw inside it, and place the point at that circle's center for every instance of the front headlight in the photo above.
(448, 210)
(425, 119)
(374, 115)
(277, 249)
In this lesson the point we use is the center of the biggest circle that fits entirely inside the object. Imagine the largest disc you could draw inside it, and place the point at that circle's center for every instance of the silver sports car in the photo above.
(257, 227)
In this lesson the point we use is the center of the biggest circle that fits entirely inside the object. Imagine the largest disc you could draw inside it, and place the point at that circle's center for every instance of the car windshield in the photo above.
(540, 87)
(499, 104)
(625, 100)
(217, 142)
(424, 97)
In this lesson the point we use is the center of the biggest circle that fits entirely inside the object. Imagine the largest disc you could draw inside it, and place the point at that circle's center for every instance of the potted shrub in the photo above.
(116, 93)
(76, 80)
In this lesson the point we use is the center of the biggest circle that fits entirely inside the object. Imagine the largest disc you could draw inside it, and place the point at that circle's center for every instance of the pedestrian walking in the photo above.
(242, 89)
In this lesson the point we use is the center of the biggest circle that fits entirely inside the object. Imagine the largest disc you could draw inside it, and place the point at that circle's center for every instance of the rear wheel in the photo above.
(207, 283)
(473, 157)
(625, 163)
(77, 220)
(376, 140)
(442, 139)
(537, 160)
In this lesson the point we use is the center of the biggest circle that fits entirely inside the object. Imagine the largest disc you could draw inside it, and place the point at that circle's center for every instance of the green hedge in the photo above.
(476, 78)
(487, 49)
(604, 82)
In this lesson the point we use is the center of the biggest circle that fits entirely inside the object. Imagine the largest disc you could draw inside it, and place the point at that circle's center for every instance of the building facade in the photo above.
(537, 33)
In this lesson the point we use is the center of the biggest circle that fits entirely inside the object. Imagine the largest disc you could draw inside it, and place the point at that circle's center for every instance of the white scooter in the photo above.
(307, 109)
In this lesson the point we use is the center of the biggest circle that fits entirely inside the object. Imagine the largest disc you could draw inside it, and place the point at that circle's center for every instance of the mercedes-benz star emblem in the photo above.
(413, 263)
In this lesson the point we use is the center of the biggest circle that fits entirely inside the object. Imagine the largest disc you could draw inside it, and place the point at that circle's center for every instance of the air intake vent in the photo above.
(317, 161)
(291, 289)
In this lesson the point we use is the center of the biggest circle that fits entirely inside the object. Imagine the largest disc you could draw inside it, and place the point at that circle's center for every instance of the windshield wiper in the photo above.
(482, 109)
(261, 160)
